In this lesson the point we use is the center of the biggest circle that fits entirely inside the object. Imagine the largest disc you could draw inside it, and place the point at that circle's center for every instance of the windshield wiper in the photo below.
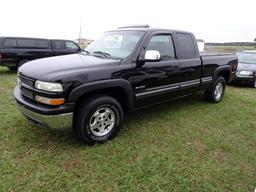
(83, 50)
(102, 53)
(107, 55)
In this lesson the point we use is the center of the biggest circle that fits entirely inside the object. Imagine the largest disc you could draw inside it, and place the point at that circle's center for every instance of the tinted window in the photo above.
(42, 44)
(163, 44)
(10, 43)
(26, 43)
(60, 45)
(187, 48)
(71, 45)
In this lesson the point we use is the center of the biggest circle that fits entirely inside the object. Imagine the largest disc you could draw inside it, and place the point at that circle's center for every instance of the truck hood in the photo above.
(56, 68)
(246, 67)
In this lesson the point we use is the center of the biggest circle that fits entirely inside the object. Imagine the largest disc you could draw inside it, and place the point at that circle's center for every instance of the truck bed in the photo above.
(205, 54)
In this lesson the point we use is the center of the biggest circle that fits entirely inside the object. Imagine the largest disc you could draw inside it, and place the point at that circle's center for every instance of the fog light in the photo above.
(49, 101)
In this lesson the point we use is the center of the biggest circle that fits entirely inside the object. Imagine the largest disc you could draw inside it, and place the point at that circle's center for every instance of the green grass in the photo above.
(184, 145)
(227, 49)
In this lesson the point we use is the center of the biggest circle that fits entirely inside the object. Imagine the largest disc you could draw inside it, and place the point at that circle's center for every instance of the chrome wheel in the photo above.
(102, 121)
(218, 91)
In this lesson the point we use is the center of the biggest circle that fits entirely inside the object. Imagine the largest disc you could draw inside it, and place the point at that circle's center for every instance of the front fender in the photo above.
(101, 85)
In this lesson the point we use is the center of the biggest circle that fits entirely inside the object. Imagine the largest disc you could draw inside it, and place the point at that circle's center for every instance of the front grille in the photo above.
(27, 93)
(26, 86)
(26, 80)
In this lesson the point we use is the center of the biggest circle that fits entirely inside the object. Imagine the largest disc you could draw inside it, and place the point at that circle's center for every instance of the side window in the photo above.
(44, 44)
(71, 45)
(186, 44)
(59, 45)
(10, 43)
(163, 44)
(26, 43)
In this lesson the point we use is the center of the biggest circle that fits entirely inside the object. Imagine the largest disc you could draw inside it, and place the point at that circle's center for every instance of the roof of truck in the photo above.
(147, 28)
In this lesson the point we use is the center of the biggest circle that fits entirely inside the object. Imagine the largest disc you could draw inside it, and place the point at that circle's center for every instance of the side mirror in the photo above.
(152, 55)
(149, 56)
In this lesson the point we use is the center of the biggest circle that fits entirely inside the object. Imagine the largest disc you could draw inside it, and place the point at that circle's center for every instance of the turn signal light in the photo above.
(49, 101)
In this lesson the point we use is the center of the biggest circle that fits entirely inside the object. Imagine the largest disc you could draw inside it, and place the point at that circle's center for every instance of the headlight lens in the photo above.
(53, 87)
(248, 73)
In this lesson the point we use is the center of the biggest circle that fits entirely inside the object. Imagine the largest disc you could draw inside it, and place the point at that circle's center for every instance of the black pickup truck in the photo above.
(15, 51)
(123, 70)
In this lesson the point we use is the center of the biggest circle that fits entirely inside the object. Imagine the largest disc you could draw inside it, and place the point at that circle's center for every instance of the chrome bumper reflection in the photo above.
(60, 121)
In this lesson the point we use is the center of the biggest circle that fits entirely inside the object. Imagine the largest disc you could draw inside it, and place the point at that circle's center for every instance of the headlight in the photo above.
(53, 87)
(247, 73)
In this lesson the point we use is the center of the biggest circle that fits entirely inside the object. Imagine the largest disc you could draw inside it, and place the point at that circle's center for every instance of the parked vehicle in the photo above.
(15, 51)
(125, 69)
(246, 71)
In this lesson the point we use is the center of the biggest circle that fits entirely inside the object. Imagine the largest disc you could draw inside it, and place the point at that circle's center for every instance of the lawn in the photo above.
(184, 145)
(227, 49)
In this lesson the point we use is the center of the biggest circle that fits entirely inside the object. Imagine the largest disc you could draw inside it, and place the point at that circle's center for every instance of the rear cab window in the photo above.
(10, 43)
(186, 45)
(26, 43)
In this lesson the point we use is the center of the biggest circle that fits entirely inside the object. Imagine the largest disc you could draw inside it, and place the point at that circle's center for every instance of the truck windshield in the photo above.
(116, 44)
(249, 58)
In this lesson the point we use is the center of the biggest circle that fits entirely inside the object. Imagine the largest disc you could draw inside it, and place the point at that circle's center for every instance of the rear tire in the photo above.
(216, 91)
(98, 119)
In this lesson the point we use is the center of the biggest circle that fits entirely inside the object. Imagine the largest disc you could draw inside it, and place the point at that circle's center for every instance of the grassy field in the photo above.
(227, 49)
(184, 145)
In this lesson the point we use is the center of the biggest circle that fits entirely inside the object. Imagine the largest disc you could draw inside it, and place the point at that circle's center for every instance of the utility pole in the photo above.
(80, 31)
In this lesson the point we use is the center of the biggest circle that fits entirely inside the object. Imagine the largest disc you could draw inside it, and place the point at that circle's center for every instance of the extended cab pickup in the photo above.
(15, 51)
(123, 70)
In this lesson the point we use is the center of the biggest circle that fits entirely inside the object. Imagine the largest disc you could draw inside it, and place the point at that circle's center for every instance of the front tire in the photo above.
(98, 119)
(216, 91)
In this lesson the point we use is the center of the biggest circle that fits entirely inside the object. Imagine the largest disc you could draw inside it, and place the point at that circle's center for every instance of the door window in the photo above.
(59, 45)
(71, 45)
(163, 44)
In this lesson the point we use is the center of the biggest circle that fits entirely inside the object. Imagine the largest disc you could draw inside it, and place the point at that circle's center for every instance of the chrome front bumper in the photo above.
(60, 121)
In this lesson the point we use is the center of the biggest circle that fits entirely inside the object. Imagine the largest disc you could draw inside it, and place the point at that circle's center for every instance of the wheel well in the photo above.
(118, 93)
(225, 74)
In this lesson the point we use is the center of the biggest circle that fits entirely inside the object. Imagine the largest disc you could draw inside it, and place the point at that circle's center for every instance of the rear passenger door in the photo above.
(190, 62)
(62, 47)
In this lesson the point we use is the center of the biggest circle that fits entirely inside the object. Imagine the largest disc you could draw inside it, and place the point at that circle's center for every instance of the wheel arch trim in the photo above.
(101, 85)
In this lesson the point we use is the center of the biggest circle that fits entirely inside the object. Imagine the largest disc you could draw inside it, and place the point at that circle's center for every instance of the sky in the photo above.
(211, 20)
